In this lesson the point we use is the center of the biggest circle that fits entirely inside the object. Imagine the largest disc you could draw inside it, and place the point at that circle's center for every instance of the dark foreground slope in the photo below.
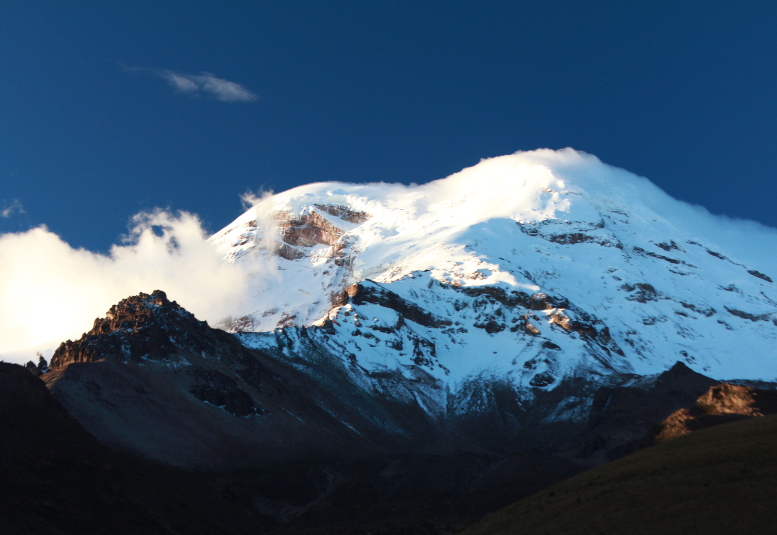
(717, 480)
(281, 444)
(56, 478)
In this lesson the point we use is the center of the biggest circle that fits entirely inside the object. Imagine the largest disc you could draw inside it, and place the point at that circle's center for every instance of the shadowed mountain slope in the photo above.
(296, 442)
(55, 478)
(715, 481)
(622, 416)
(150, 378)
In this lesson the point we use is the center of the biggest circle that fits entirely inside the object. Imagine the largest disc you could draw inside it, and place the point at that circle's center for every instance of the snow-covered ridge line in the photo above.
(659, 279)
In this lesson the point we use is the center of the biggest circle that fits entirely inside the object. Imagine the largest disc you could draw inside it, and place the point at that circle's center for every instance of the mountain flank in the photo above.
(714, 481)
(297, 443)
(622, 416)
(151, 379)
(57, 478)
(717, 480)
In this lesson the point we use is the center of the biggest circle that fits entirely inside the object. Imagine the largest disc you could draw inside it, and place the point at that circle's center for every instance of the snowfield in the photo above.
(453, 273)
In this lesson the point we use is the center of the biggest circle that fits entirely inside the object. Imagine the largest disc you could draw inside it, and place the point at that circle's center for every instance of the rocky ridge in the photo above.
(138, 327)
(720, 404)
(151, 378)
(152, 328)
(345, 445)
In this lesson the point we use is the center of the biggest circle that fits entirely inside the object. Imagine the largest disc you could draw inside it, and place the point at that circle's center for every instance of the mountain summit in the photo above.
(525, 269)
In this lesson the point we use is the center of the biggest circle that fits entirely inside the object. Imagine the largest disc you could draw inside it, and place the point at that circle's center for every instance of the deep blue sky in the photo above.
(684, 93)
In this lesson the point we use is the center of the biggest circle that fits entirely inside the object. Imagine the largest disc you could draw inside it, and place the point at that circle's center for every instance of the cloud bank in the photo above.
(50, 292)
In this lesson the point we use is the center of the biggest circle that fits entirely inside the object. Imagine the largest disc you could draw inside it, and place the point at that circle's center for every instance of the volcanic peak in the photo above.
(662, 280)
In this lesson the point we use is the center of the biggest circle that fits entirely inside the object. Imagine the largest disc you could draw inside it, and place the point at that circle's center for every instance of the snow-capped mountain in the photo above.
(450, 347)
(524, 270)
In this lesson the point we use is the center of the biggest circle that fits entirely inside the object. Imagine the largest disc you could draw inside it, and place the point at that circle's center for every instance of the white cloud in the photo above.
(14, 208)
(181, 83)
(197, 84)
(249, 199)
(50, 291)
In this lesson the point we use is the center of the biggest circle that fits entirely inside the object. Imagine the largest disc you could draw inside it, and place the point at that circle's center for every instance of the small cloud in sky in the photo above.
(10, 209)
(204, 83)
(196, 84)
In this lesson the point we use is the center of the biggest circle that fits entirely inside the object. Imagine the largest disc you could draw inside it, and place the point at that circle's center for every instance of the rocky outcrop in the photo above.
(39, 369)
(309, 229)
(370, 292)
(150, 327)
(344, 213)
(139, 327)
(722, 403)
(571, 233)
(759, 275)
(221, 391)
(621, 416)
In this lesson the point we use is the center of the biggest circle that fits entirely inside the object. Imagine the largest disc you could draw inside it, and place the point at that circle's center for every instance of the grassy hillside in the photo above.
(717, 480)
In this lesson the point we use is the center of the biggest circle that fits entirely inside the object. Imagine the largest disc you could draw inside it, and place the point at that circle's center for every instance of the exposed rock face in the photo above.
(152, 328)
(369, 292)
(344, 213)
(309, 229)
(139, 327)
(621, 416)
(222, 391)
(720, 404)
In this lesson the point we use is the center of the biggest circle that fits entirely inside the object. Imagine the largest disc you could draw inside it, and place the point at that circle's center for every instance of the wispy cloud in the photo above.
(201, 84)
(14, 208)
(196, 84)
